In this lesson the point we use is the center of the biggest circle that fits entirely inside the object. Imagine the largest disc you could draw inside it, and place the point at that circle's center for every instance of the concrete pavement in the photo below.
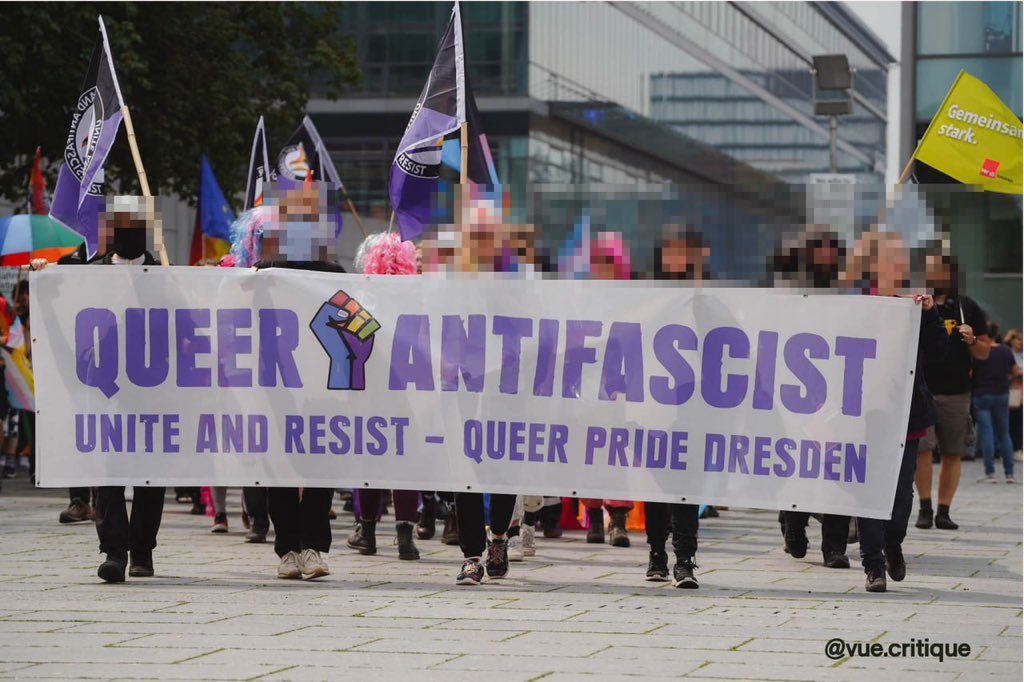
(215, 609)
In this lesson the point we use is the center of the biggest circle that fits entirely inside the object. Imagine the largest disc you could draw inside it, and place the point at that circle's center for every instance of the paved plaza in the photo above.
(215, 610)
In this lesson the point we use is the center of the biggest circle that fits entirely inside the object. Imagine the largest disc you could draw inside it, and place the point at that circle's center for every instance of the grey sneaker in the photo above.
(312, 564)
(289, 568)
(529, 541)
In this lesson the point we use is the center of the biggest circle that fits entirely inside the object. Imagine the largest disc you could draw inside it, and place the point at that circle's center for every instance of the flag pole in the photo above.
(464, 170)
(158, 232)
(355, 213)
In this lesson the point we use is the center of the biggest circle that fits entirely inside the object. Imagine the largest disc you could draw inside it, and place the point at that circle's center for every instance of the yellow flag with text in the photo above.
(975, 138)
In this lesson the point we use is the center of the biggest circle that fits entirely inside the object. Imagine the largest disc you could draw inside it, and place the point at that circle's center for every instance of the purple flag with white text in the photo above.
(78, 197)
(440, 110)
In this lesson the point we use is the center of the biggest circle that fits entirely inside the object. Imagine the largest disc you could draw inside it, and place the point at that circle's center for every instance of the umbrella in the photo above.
(24, 237)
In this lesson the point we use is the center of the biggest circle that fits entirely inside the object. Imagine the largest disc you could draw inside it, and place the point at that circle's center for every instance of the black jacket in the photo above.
(931, 347)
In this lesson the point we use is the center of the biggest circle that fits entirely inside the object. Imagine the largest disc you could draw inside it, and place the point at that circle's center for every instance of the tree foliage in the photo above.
(196, 77)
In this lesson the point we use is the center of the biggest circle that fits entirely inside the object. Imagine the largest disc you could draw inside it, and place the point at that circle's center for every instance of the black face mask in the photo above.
(129, 242)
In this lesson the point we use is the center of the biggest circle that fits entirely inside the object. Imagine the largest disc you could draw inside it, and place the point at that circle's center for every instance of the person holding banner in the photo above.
(125, 227)
(294, 234)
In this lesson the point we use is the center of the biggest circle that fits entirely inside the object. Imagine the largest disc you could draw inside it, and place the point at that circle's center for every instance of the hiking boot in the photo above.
(450, 534)
(403, 538)
(682, 574)
(618, 536)
(471, 573)
(497, 559)
(141, 565)
(942, 519)
(365, 538)
(426, 527)
(529, 536)
(77, 512)
(836, 560)
(112, 570)
(289, 567)
(796, 540)
(220, 523)
(657, 567)
(595, 531)
(874, 580)
(895, 564)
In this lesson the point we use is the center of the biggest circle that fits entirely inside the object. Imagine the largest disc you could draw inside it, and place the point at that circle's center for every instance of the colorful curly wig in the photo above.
(384, 253)
(247, 237)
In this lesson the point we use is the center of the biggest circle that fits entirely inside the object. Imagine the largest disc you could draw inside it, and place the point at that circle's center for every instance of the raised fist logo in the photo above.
(345, 330)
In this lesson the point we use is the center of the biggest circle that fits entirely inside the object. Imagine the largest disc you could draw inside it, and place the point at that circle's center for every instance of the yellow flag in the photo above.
(975, 138)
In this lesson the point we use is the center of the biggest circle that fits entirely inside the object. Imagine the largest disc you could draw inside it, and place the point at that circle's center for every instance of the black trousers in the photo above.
(256, 504)
(835, 529)
(878, 534)
(301, 524)
(684, 520)
(469, 510)
(119, 534)
(83, 494)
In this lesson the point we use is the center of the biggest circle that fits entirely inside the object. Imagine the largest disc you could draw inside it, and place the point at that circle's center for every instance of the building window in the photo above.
(935, 76)
(968, 27)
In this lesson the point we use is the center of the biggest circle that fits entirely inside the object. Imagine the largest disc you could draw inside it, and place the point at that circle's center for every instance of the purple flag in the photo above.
(440, 110)
(78, 198)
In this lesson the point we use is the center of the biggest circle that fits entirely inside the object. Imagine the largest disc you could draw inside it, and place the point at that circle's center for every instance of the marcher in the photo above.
(125, 229)
(949, 379)
(991, 397)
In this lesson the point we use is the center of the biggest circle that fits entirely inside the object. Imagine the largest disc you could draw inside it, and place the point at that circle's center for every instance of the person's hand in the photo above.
(925, 301)
(968, 334)
(38, 263)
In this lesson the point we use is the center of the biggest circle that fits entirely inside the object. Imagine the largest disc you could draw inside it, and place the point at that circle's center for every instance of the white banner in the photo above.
(209, 376)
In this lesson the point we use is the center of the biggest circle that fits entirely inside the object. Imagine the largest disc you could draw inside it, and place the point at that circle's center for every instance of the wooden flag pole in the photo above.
(158, 232)
(464, 169)
(355, 213)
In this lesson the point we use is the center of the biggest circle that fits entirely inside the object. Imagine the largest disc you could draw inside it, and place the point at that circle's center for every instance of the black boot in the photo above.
(942, 519)
(365, 538)
(618, 536)
(406, 547)
(112, 570)
(924, 517)
(427, 525)
(595, 533)
(141, 565)
(551, 520)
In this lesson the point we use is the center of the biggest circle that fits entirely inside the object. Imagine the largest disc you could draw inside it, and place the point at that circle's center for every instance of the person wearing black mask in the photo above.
(125, 231)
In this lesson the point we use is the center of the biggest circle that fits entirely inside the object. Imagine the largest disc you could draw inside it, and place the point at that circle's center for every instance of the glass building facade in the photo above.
(984, 39)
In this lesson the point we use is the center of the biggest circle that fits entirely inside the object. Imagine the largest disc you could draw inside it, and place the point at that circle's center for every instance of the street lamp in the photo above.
(833, 77)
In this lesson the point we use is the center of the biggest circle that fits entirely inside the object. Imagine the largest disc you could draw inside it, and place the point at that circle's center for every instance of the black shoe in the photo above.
(77, 512)
(365, 538)
(256, 535)
(471, 574)
(682, 575)
(895, 564)
(710, 512)
(141, 565)
(836, 560)
(796, 540)
(595, 530)
(497, 559)
(8, 472)
(450, 534)
(943, 521)
(426, 527)
(406, 547)
(924, 518)
(198, 509)
(112, 570)
(554, 532)
(874, 580)
(347, 506)
(657, 567)
(550, 517)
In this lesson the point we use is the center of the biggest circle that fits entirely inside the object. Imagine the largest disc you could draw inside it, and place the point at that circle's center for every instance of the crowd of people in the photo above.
(966, 375)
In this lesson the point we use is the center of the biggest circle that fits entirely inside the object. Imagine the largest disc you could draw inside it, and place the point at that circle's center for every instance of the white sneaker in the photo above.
(289, 568)
(515, 548)
(988, 478)
(24, 463)
(529, 541)
(312, 564)
(1009, 479)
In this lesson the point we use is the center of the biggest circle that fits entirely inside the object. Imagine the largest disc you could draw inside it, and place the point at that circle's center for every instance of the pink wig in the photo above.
(384, 253)
(610, 245)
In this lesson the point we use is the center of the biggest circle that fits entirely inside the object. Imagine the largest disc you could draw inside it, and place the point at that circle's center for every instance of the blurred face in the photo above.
(298, 230)
(892, 265)
(602, 267)
(1016, 344)
(937, 274)
(683, 260)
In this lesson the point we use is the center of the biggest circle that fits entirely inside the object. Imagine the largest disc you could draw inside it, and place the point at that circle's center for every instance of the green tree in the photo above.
(196, 77)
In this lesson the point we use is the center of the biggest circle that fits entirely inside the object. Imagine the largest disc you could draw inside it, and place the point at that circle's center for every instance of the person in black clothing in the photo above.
(949, 380)
(124, 226)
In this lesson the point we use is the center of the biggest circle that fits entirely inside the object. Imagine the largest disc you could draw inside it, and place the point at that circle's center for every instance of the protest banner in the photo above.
(207, 376)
